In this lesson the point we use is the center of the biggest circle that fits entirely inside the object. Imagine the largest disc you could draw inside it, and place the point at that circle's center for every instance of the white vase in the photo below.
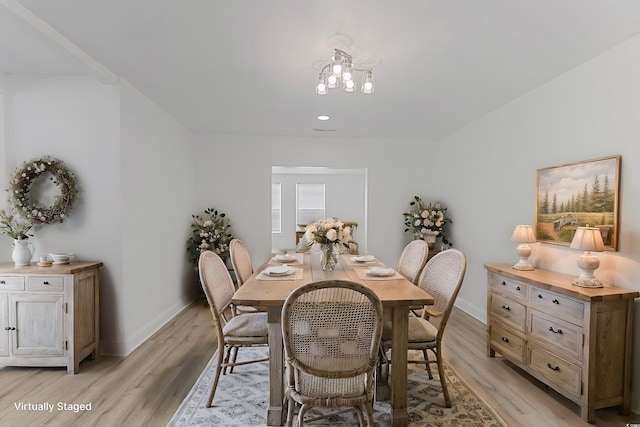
(22, 253)
(430, 238)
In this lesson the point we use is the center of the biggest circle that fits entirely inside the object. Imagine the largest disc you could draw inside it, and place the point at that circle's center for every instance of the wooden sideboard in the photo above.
(49, 316)
(576, 340)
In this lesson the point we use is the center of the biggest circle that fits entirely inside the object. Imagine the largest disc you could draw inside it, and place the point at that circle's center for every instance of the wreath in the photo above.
(20, 185)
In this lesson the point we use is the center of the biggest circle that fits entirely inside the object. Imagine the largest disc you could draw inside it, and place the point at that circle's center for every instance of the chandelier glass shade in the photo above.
(340, 71)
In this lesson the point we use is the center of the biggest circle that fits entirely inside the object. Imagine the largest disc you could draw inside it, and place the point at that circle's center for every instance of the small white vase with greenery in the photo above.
(14, 226)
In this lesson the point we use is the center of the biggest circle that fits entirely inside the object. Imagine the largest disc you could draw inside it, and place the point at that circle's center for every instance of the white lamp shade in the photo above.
(523, 234)
(588, 239)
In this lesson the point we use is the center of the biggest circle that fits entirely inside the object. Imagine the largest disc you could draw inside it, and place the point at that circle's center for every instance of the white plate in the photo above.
(363, 258)
(380, 271)
(285, 257)
(279, 270)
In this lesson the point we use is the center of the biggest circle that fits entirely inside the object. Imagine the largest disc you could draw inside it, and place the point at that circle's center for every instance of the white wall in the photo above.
(134, 164)
(158, 195)
(235, 177)
(590, 112)
(75, 120)
(485, 175)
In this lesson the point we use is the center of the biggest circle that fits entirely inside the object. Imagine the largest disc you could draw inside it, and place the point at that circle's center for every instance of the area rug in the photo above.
(241, 400)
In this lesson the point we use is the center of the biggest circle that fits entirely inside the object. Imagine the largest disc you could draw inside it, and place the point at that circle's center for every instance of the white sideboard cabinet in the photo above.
(576, 340)
(49, 316)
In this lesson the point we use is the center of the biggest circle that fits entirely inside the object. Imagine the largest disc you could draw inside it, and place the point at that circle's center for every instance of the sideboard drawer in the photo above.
(508, 310)
(557, 303)
(46, 283)
(11, 283)
(557, 371)
(508, 285)
(565, 336)
(506, 341)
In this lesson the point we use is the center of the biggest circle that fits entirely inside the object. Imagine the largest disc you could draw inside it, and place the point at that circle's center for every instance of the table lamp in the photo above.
(523, 234)
(587, 239)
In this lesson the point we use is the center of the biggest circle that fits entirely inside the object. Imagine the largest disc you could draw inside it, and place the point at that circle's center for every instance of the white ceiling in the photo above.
(249, 67)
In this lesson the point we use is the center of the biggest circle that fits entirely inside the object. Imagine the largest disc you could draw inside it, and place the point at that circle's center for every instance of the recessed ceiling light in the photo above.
(323, 118)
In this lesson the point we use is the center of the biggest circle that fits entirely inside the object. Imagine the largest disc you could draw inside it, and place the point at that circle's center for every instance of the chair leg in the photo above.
(427, 364)
(234, 355)
(217, 377)
(290, 412)
(225, 361)
(303, 410)
(368, 409)
(443, 380)
(360, 415)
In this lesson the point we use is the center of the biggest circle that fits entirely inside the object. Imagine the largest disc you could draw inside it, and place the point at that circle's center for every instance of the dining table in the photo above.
(396, 293)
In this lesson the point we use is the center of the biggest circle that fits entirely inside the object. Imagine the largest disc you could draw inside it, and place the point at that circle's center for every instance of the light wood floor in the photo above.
(146, 388)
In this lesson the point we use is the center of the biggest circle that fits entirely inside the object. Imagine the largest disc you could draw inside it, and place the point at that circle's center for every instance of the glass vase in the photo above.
(329, 256)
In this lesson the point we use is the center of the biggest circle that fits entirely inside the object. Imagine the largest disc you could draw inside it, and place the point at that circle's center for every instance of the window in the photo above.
(310, 203)
(276, 208)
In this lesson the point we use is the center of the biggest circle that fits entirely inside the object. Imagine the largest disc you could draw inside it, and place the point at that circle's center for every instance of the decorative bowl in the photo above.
(59, 257)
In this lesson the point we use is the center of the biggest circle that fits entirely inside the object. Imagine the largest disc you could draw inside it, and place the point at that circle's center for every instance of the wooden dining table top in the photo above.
(393, 292)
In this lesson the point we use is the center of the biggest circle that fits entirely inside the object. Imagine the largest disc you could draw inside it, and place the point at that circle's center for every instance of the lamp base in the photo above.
(587, 283)
(523, 266)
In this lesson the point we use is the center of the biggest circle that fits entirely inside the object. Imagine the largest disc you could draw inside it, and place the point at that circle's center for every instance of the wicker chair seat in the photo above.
(247, 325)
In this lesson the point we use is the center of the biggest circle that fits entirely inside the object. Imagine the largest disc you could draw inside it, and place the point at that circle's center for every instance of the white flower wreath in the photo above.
(20, 184)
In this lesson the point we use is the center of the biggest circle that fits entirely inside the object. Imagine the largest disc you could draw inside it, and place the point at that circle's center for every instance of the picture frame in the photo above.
(576, 195)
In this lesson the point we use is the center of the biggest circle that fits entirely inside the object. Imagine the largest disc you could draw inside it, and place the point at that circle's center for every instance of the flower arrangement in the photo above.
(329, 231)
(20, 186)
(423, 218)
(14, 226)
(210, 232)
(333, 236)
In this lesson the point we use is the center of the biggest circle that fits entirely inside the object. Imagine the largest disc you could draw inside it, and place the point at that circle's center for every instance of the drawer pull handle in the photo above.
(557, 368)
(45, 282)
(2, 282)
(540, 296)
(555, 301)
(517, 288)
(555, 331)
(504, 283)
(505, 339)
(506, 307)
(9, 328)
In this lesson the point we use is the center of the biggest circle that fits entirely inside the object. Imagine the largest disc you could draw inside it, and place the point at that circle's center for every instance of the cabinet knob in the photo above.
(517, 288)
(505, 339)
(555, 301)
(504, 283)
(45, 282)
(506, 307)
(2, 282)
(555, 331)
(540, 296)
(9, 328)
(557, 368)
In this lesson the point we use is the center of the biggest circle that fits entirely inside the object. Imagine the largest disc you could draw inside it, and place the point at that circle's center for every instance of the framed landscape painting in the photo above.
(576, 195)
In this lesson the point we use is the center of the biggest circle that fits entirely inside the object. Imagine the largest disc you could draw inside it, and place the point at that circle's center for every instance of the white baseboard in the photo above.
(121, 348)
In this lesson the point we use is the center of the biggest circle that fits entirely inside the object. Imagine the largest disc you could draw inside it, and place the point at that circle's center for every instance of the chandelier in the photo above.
(341, 71)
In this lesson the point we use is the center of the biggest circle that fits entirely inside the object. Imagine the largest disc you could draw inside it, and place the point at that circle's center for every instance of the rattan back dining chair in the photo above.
(232, 330)
(412, 260)
(240, 261)
(331, 332)
(243, 269)
(442, 278)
